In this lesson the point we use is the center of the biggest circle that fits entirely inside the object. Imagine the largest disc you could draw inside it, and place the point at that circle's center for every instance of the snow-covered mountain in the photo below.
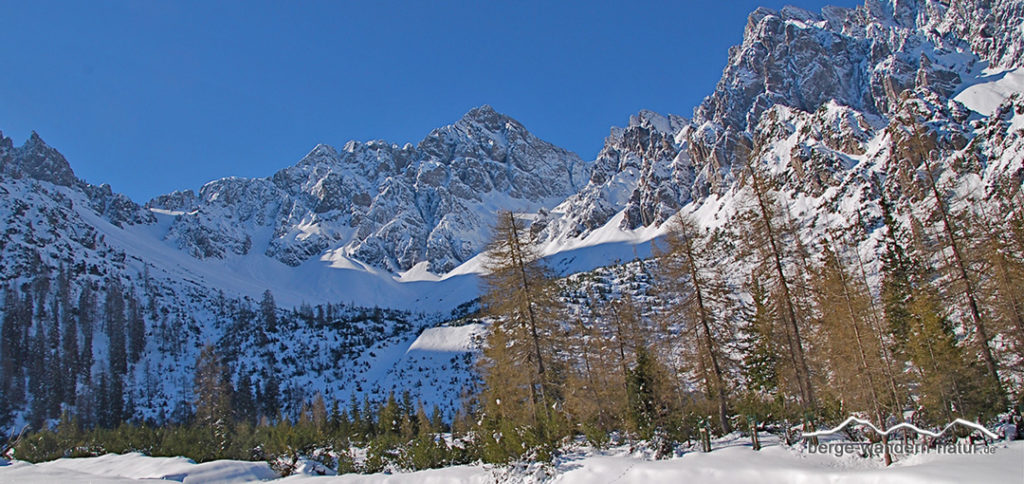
(818, 95)
(381, 204)
(825, 102)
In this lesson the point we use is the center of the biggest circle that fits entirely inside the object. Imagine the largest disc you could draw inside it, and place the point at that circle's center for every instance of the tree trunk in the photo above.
(793, 333)
(703, 316)
(961, 267)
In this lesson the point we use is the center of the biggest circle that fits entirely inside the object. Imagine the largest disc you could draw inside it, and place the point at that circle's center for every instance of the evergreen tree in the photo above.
(270, 395)
(243, 401)
(12, 350)
(69, 364)
(86, 318)
(38, 377)
(268, 312)
(896, 273)
(645, 384)
(759, 354)
(136, 330)
(114, 323)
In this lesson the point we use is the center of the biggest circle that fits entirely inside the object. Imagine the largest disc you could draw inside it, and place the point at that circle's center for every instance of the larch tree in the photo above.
(522, 369)
(212, 388)
(694, 292)
(767, 234)
(850, 347)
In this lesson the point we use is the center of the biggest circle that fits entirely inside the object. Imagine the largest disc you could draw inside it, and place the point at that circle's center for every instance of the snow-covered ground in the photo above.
(114, 468)
(989, 90)
(731, 462)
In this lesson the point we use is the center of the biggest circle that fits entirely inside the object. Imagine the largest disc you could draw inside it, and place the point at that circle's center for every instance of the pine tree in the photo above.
(896, 273)
(243, 402)
(645, 384)
(113, 307)
(54, 379)
(86, 317)
(114, 323)
(69, 365)
(268, 312)
(38, 377)
(11, 349)
(760, 357)
(136, 330)
(270, 397)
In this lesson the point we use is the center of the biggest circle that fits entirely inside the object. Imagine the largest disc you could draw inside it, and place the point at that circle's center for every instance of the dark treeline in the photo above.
(395, 433)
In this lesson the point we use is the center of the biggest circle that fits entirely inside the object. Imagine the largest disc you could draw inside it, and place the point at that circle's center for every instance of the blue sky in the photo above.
(156, 96)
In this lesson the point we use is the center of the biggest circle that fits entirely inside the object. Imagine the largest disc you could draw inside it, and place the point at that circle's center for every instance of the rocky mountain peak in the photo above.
(321, 153)
(668, 124)
(486, 117)
(380, 203)
(35, 159)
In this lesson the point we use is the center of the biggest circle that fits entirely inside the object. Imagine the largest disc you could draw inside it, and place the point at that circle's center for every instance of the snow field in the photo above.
(731, 462)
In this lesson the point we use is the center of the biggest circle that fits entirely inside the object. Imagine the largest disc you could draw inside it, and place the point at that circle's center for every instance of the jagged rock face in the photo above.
(803, 93)
(178, 201)
(808, 153)
(36, 160)
(643, 169)
(382, 204)
(861, 58)
(991, 28)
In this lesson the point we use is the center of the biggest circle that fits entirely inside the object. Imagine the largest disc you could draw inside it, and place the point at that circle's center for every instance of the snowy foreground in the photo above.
(727, 464)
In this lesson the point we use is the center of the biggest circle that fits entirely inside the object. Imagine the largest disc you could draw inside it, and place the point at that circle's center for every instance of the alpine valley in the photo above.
(356, 272)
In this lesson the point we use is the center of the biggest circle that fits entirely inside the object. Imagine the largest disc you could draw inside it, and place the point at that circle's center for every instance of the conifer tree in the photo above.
(760, 356)
(520, 367)
(86, 318)
(268, 312)
(765, 240)
(211, 388)
(136, 330)
(851, 348)
(113, 308)
(69, 364)
(689, 280)
(1003, 289)
(11, 349)
(968, 286)
(243, 402)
